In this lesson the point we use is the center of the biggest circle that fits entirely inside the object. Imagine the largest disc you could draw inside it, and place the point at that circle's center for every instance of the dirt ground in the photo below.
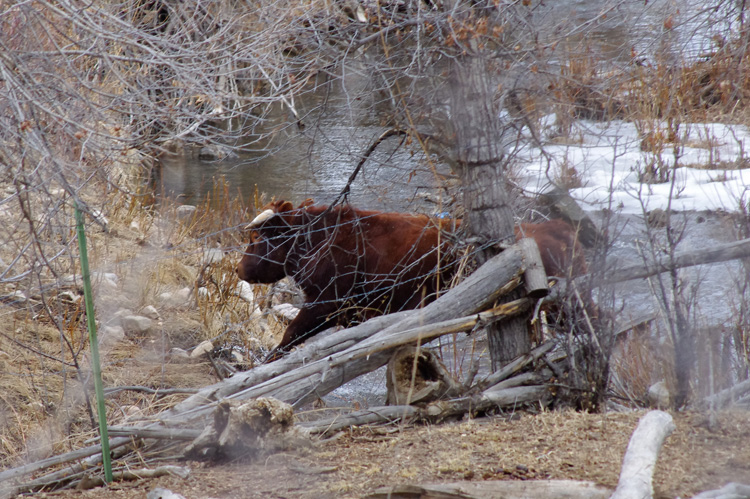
(557, 445)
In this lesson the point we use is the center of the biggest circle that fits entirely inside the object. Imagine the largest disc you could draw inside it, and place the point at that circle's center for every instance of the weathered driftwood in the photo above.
(94, 451)
(373, 415)
(718, 253)
(316, 348)
(91, 482)
(534, 277)
(432, 412)
(496, 489)
(727, 396)
(729, 491)
(517, 365)
(640, 457)
(108, 392)
(306, 383)
(11, 487)
(311, 382)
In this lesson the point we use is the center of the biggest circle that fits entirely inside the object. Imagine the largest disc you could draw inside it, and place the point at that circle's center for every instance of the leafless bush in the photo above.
(92, 93)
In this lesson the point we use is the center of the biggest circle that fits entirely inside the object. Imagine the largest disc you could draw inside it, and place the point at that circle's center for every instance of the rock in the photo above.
(150, 312)
(179, 356)
(245, 291)
(179, 297)
(658, 396)
(161, 493)
(122, 312)
(106, 280)
(109, 336)
(136, 323)
(285, 311)
(185, 211)
(203, 293)
(202, 349)
(70, 297)
(213, 255)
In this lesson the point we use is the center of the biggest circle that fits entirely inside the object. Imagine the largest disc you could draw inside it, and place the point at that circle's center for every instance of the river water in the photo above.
(317, 160)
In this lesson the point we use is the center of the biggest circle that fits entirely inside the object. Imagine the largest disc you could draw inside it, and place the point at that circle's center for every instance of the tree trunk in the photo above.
(480, 159)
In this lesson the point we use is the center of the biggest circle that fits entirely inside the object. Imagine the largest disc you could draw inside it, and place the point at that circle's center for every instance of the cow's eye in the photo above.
(254, 236)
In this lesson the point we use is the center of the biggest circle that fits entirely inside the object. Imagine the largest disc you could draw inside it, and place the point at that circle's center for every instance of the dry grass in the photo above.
(558, 445)
(44, 338)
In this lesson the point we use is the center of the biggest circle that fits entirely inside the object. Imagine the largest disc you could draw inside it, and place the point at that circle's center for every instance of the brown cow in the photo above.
(349, 263)
(357, 264)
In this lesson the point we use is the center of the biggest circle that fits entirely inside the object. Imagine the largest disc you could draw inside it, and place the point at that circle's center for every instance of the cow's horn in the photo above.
(262, 217)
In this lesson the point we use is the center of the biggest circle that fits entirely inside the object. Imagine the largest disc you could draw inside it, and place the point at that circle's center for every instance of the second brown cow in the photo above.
(354, 264)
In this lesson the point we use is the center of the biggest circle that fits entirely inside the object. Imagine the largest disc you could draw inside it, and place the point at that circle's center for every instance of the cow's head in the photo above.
(271, 236)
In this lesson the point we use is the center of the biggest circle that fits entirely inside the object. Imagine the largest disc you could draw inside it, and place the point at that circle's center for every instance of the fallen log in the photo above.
(311, 382)
(727, 396)
(94, 451)
(715, 254)
(91, 482)
(729, 491)
(640, 457)
(495, 489)
(433, 412)
(317, 348)
(614, 274)
(492, 280)
(10, 487)
(374, 415)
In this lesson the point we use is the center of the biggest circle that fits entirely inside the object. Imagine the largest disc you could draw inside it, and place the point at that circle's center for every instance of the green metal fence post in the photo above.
(93, 343)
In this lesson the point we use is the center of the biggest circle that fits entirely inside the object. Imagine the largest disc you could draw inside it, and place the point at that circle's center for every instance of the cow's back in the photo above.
(561, 252)
(389, 259)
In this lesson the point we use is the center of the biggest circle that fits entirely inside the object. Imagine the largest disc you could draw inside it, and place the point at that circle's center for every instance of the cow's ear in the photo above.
(307, 202)
(284, 206)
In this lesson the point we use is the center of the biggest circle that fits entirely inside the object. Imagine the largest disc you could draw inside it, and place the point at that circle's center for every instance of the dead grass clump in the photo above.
(568, 177)
(638, 361)
(142, 256)
(585, 91)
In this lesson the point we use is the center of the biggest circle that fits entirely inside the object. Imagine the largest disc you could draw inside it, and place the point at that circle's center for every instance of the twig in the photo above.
(156, 391)
(365, 156)
(157, 433)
